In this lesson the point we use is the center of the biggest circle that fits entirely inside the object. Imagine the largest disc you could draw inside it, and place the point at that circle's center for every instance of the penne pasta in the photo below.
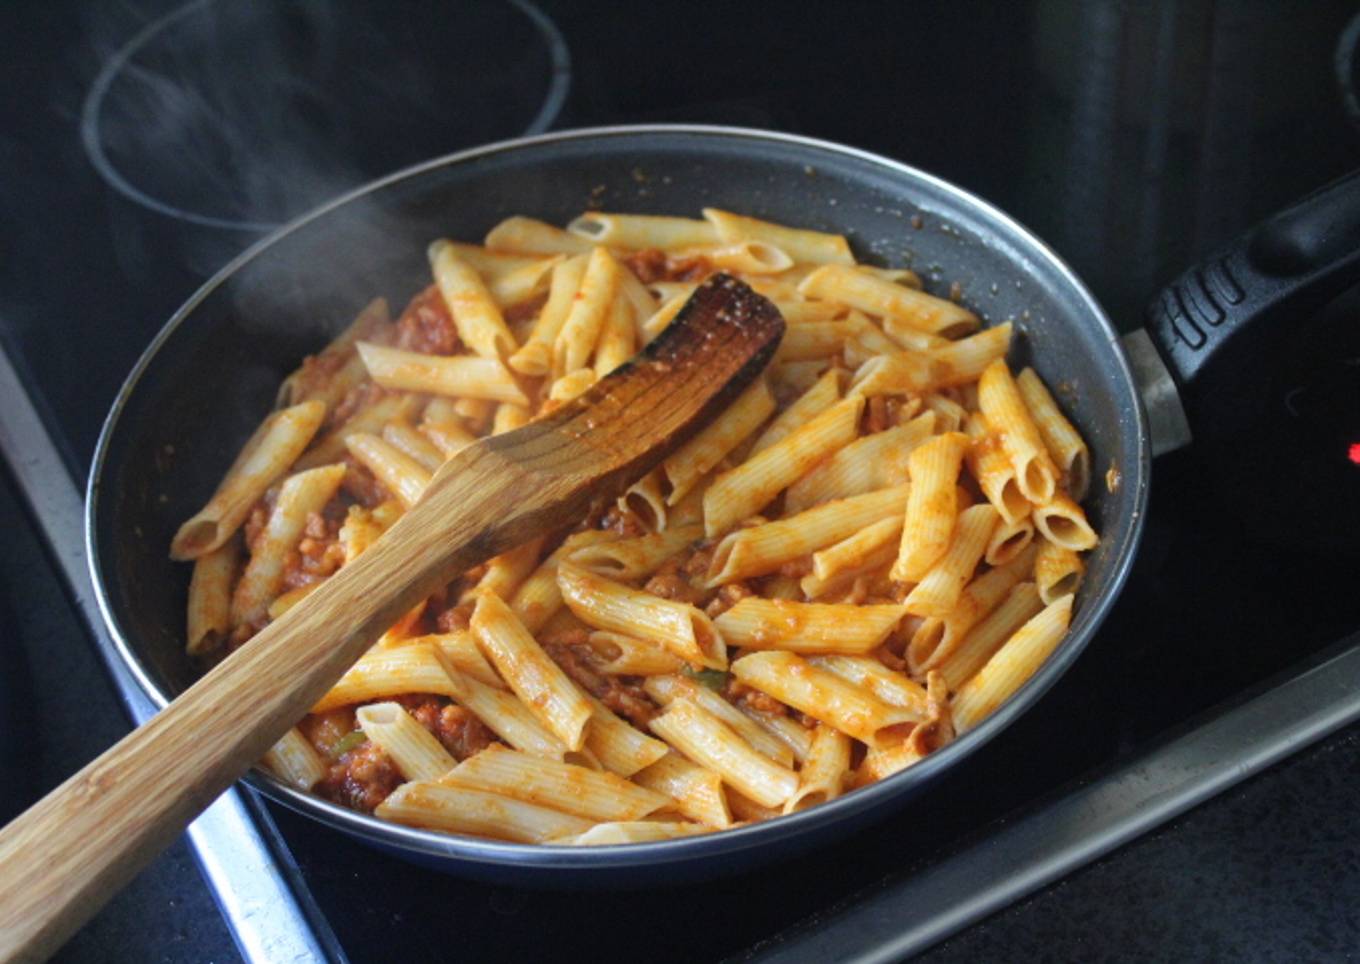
(705, 740)
(459, 810)
(266, 457)
(300, 496)
(939, 589)
(1063, 523)
(646, 499)
(581, 328)
(973, 651)
(936, 638)
(932, 505)
(463, 376)
(760, 549)
(539, 682)
(1057, 571)
(919, 372)
(994, 471)
(330, 375)
(607, 604)
(868, 673)
(696, 458)
(665, 690)
(801, 245)
(209, 610)
(1004, 408)
(519, 235)
(824, 771)
(592, 794)
(797, 627)
(741, 492)
(870, 293)
(538, 598)
(823, 393)
(534, 357)
(474, 311)
(642, 231)
(411, 443)
(294, 761)
(1012, 665)
(620, 747)
(621, 655)
(1008, 540)
(696, 790)
(1065, 445)
(638, 557)
(414, 750)
(399, 474)
(873, 462)
(825, 696)
(631, 831)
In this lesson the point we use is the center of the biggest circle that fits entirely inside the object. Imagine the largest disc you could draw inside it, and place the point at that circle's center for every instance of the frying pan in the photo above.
(213, 371)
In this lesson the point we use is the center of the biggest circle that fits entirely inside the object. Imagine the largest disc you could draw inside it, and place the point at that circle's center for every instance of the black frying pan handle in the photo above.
(1218, 326)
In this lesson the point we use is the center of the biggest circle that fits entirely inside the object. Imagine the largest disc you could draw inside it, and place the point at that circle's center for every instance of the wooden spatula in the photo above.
(63, 858)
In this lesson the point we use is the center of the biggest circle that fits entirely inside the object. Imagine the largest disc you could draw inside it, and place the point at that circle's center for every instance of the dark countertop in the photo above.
(1268, 871)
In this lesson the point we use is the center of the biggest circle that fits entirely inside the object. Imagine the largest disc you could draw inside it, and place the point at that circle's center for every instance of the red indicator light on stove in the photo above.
(1354, 452)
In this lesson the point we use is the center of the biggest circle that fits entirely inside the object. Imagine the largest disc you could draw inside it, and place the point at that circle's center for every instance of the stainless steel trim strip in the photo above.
(1167, 424)
(1089, 822)
(261, 909)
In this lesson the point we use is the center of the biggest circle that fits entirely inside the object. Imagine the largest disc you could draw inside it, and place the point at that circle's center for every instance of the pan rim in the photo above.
(862, 802)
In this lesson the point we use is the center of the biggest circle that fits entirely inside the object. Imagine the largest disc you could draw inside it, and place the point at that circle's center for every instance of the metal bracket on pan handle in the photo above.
(1219, 327)
(1167, 424)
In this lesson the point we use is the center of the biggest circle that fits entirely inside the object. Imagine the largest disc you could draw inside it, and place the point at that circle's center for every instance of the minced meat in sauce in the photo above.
(622, 694)
(426, 325)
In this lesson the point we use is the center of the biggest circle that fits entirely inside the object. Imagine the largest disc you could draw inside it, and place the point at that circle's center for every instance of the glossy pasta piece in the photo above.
(705, 740)
(877, 296)
(994, 471)
(1017, 660)
(586, 317)
(635, 558)
(615, 345)
(459, 810)
(1058, 571)
(619, 746)
(620, 655)
(299, 496)
(538, 597)
(1063, 523)
(1002, 404)
(592, 794)
(755, 623)
(414, 750)
(539, 682)
(640, 231)
(760, 549)
(274, 447)
(918, 372)
(665, 690)
(685, 466)
(1065, 445)
(607, 604)
(824, 392)
(822, 776)
(399, 474)
(695, 790)
(474, 312)
(1008, 540)
(631, 831)
(209, 610)
(875, 461)
(294, 761)
(741, 492)
(987, 635)
(458, 376)
(801, 244)
(891, 687)
(521, 235)
(534, 357)
(824, 696)
(939, 589)
(932, 505)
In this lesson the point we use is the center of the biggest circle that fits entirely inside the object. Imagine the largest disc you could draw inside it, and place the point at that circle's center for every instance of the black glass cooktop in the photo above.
(144, 144)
